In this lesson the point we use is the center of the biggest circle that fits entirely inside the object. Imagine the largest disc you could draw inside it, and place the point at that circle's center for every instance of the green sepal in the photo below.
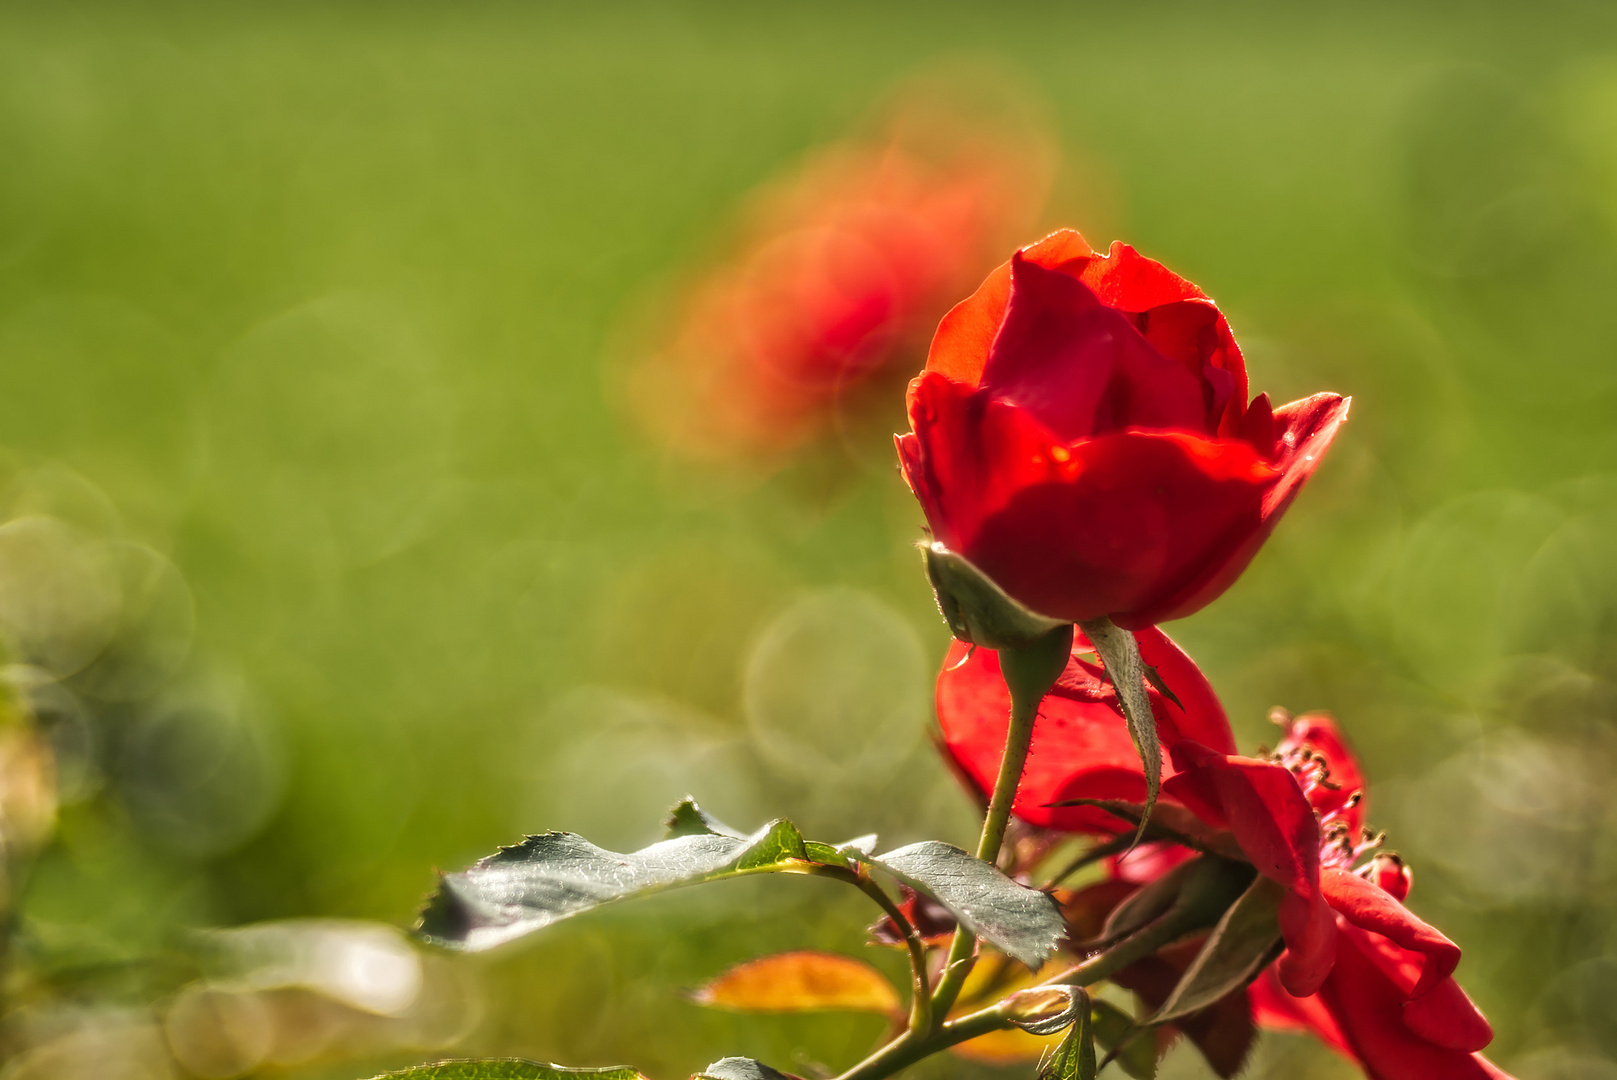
(977, 610)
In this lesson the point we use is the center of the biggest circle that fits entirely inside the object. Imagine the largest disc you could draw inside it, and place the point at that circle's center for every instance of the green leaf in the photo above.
(1021, 922)
(1120, 653)
(556, 875)
(688, 819)
(843, 854)
(1243, 943)
(1074, 1056)
(740, 1068)
(1132, 1047)
(506, 1069)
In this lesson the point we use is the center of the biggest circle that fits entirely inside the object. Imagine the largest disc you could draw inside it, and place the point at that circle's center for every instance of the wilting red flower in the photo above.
(1360, 970)
(850, 261)
(1082, 434)
(1081, 746)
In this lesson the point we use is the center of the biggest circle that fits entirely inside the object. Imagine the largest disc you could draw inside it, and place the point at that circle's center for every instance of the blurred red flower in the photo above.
(849, 262)
(1081, 746)
(1360, 970)
(1082, 434)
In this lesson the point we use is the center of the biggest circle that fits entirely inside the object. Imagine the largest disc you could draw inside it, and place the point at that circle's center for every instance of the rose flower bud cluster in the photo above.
(1360, 970)
(1085, 453)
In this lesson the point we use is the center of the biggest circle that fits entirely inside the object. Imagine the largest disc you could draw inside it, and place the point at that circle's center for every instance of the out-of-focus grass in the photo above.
(320, 297)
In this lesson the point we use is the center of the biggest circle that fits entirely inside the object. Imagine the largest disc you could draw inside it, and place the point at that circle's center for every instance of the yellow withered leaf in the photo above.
(804, 981)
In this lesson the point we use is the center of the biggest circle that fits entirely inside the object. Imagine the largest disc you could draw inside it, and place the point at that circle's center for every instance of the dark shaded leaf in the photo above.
(1133, 1048)
(1074, 1057)
(688, 819)
(1243, 943)
(506, 1069)
(1168, 822)
(1146, 903)
(550, 877)
(1021, 922)
(740, 1068)
(1223, 1032)
(1087, 909)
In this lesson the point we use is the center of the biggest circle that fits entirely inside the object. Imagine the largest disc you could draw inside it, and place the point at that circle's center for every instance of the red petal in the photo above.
(1182, 322)
(1276, 1010)
(1448, 1017)
(1265, 808)
(1258, 426)
(1367, 906)
(1083, 368)
(1309, 928)
(1368, 1006)
(1126, 280)
(1202, 716)
(1081, 746)
(1306, 430)
(961, 345)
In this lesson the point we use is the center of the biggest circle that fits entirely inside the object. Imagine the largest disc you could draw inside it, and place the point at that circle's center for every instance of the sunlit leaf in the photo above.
(506, 1069)
(740, 1068)
(554, 876)
(802, 982)
(688, 819)
(1021, 922)
(1240, 946)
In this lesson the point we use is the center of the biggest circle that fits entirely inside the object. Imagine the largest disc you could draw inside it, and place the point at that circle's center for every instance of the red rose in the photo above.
(1082, 435)
(1081, 746)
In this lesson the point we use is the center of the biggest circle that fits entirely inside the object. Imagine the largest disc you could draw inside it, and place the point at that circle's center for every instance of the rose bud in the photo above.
(1082, 435)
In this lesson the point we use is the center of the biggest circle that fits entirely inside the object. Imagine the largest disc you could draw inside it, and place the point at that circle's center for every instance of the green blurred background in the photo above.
(318, 303)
